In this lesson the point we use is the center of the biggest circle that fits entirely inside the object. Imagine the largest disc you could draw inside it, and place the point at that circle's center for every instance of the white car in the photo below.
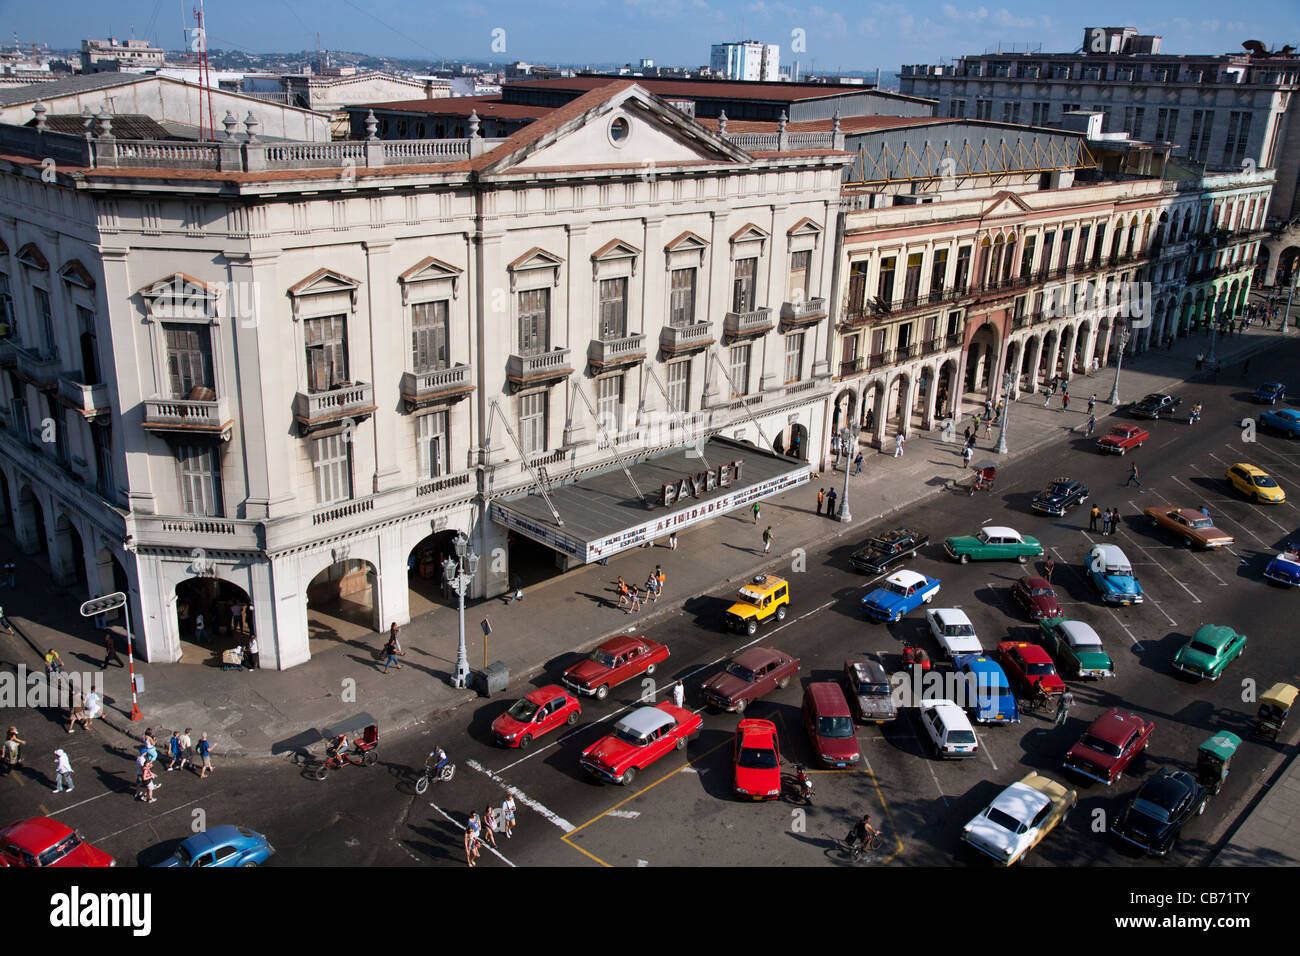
(949, 729)
(954, 631)
(1018, 819)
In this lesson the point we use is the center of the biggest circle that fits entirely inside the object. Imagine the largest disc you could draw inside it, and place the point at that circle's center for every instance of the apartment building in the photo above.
(278, 378)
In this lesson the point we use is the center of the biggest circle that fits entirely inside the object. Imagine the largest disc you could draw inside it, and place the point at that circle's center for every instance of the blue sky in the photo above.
(837, 33)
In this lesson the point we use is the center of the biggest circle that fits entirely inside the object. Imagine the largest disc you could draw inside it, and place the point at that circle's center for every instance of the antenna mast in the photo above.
(205, 78)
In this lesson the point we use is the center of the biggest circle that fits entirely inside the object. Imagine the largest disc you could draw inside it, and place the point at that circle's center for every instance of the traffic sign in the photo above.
(101, 605)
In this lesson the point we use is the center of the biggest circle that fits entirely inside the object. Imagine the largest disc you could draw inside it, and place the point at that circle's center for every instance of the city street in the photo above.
(681, 811)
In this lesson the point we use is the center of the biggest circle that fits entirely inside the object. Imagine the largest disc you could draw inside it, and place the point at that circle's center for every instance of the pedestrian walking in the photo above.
(756, 512)
(393, 650)
(624, 595)
(150, 745)
(1114, 520)
(988, 408)
(660, 579)
(53, 662)
(1105, 522)
(679, 694)
(205, 754)
(636, 599)
(508, 813)
(62, 772)
(110, 651)
(11, 752)
(821, 498)
(517, 586)
(1050, 392)
(651, 587)
(253, 652)
(174, 749)
(830, 503)
(1093, 515)
(970, 442)
(869, 422)
(672, 541)
(1200, 360)
(857, 464)
(988, 428)
(1065, 401)
(997, 412)
(965, 456)
(491, 823)
(187, 750)
(1133, 476)
(1049, 567)
(472, 826)
(767, 539)
(1092, 423)
(967, 434)
(1063, 707)
(898, 445)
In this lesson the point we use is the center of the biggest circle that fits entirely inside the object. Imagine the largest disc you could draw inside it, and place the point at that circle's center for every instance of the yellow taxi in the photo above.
(763, 598)
(1255, 483)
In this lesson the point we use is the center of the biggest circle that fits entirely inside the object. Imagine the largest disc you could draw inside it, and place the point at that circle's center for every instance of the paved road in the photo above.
(680, 811)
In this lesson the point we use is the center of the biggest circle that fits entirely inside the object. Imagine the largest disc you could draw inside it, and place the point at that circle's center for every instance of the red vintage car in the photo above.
(1027, 664)
(1121, 438)
(617, 660)
(1109, 745)
(758, 760)
(534, 714)
(748, 676)
(638, 740)
(1036, 596)
(44, 841)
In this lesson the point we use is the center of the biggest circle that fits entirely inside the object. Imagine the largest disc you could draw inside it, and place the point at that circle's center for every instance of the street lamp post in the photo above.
(846, 436)
(460, 573)
(1006, 410)
(1119, 362)
(1214, 330)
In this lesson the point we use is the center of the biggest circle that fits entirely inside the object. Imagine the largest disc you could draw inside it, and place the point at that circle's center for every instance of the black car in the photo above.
(1155, 405)
(1159, 809)
(887, 549)
(1060, 495)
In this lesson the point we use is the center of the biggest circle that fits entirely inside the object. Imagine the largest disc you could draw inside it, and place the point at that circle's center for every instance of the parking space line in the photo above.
(1106, 607)
(461, 826)
(987, 752)
(522, 797)
(151, 819)
(74, 806)
(1171, 574)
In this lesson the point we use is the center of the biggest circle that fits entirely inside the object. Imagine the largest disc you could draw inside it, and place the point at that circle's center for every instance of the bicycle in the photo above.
(858, 851)
(1039, 704)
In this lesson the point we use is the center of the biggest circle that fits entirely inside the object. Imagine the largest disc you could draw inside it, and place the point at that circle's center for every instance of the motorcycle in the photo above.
(443, 772)
(915, 658)
(803, 787)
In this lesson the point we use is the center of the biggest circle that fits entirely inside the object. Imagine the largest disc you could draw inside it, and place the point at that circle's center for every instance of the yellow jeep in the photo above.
(763, 598)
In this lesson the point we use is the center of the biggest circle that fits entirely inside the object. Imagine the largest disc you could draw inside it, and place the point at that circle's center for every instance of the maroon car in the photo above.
(1121, 438)
(748, 676)
(1108, 746)
(617, 660)
(1036, 596)
(44, 841)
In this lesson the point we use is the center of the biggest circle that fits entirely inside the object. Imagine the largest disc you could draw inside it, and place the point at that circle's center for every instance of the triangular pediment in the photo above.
(1005, 204)
(32, 257)
(178, 284)
(429, 270)
(323, 281)
(750, 233)
(615, 249)
(804, 227)
(616, 127)
(536, 258)
(687, 242)
(75, 273)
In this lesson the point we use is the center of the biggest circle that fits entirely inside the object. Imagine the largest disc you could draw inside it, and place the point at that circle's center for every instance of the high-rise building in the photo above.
(747, 60)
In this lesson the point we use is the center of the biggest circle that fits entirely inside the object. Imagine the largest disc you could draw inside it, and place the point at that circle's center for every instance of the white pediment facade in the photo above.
(1005, 205)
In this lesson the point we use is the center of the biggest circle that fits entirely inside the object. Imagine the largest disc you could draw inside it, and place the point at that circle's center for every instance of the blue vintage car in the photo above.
(1111, 573)
(222, 846)
(991, 700)
(903, 591)
(1283, 420)
(1285, 568)
(1270, 393)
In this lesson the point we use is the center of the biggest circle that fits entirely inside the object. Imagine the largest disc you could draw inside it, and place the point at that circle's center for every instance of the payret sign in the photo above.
(705, 481)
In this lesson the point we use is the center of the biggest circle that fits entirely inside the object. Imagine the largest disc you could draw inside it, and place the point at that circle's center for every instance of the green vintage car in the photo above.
(993, 544)
(1209, 651)
(1076, 647)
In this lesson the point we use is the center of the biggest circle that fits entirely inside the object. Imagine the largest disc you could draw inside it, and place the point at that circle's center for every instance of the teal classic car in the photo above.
(993, 543)
(1076, 647)
(1209, 651)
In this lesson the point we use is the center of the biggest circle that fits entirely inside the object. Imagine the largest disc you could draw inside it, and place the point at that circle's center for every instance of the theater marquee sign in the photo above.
(692, 486)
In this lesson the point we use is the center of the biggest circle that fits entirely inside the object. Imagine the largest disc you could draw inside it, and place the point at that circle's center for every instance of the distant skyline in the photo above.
(836, 36)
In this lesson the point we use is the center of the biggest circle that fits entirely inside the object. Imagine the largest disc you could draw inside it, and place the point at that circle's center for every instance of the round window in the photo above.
(619, 130)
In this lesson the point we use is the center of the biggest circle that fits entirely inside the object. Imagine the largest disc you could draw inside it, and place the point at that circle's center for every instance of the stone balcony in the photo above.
(799, 314)
(89, 401)
(185, 416)
(744, 325)
(441, 386)
(685, 339)
(606, 354)
(315, 410)
(40, 367)
(525, 370)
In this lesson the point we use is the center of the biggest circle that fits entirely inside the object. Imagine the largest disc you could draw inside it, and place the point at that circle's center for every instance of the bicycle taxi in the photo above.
(1213, 758)
(1274, 706)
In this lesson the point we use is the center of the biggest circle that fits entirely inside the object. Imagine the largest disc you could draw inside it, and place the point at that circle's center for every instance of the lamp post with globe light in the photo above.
(846, 436)
(1006, 410)
(460, 573)
(1119, 362)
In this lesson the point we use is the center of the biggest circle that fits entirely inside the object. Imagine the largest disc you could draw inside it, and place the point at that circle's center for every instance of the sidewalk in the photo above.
(1269, 832)
(274, 713)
